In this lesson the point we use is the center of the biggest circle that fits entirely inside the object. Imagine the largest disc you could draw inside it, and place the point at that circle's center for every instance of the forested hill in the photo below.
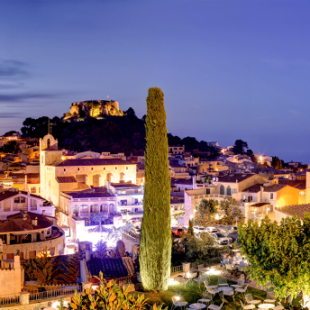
(114, 134)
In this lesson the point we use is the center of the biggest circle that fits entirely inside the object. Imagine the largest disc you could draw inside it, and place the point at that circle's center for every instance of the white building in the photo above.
(12, 202)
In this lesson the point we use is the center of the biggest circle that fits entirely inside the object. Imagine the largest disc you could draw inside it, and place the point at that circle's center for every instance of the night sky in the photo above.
(229, 69)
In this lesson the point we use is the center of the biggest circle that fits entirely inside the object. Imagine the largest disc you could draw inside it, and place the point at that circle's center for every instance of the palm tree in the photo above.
(98, 218)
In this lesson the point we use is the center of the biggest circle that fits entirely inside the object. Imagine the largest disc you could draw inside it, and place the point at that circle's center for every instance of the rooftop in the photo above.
(235, 177)
(8, 194)
(182, 181)
(22, 221)
(298, 210)
(111, 267)
(89, 193)
(123, 185)
(93, 162)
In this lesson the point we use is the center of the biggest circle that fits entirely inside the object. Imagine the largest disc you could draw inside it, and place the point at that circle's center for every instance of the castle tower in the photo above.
(49, 154)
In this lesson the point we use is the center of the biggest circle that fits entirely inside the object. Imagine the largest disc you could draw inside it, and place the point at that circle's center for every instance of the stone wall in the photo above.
(36, 304)
(38, 247)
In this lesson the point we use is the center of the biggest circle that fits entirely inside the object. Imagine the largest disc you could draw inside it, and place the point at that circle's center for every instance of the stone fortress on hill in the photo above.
(94, 108)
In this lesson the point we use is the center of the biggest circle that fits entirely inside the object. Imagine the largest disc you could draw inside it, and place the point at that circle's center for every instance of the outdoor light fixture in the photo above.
(173, 282)
(177, 298)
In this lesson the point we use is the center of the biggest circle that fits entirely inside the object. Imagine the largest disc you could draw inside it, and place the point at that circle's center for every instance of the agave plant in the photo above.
(108, 296)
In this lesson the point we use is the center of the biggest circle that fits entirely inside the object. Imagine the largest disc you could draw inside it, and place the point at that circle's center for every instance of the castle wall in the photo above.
(11, 280)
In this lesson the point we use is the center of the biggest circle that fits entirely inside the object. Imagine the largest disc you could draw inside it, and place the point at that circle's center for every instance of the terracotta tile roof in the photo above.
(182, 181)
(16, 222)
(93, 162)
(298, 210)
(110, 267)
(66, 179)
(253, 189)
(9, 194)
(300, 184)
(274, 188)
(232, 178)
(88, 194)
(120, 185)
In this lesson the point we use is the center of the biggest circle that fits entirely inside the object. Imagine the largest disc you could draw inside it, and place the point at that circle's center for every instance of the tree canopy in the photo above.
(230, 210)
(276, 163)
(155, 241)
(279, 254)
(206, 211)
(240, 146)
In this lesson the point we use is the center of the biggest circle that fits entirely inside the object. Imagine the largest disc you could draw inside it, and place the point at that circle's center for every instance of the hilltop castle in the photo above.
(93, 108)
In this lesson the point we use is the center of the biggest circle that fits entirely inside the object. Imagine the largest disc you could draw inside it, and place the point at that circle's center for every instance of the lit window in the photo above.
(126, 168)
(103, 168)
(115, 168)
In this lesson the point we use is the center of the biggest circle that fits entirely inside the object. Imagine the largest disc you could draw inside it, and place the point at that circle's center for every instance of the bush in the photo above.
(108, 296)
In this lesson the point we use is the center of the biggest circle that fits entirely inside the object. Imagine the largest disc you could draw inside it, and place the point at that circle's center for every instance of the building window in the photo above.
(33, 190)
(64, 169)
(115, 168)
(228, 190)
(222, 190)
(103, 168)
(208, 191)
(92, 168)
(78, 169)
(126, 168)
(271, 195)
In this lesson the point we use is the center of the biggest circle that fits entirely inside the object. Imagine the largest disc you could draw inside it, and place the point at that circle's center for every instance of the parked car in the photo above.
(177, 231)
(200, 229)
(232, 228)
(212, 229)
(222, 229)
(221, 239)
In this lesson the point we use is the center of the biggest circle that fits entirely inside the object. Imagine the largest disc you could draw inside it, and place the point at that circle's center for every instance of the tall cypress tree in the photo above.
(155, 241)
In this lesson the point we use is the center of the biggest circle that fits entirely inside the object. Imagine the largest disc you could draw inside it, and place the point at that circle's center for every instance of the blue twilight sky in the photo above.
(229, 69)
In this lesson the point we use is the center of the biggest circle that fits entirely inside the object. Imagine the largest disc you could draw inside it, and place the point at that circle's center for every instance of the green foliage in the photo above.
(70, 269)
(48, 269)
(276, 163)
(239, 147)
(101, 249)
(190, 231)
(279, 253)
(10, 147)
(206, 211)
(155, 242)
(230, 208)
(108, 296)
(198, 248)
(52, 270)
